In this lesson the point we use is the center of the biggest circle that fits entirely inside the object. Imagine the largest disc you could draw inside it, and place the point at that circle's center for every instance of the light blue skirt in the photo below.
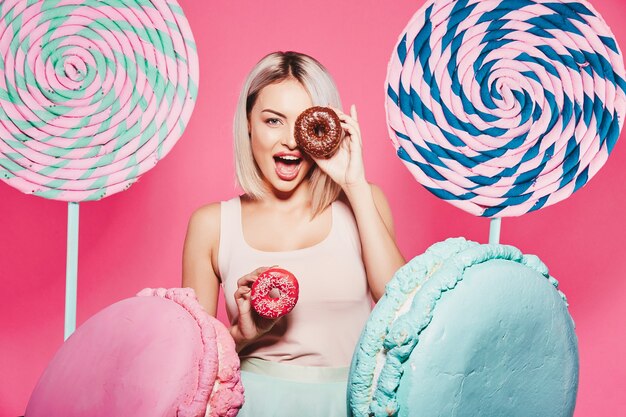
(280, 390)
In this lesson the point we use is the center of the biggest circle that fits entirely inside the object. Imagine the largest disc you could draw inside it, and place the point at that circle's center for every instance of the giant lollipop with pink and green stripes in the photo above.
(93, 93)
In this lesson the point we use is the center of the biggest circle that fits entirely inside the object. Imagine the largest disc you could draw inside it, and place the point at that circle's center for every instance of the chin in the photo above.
(286, 187)
(289, 187)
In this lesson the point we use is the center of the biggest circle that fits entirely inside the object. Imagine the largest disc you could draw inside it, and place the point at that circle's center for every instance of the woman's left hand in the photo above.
(345, 167)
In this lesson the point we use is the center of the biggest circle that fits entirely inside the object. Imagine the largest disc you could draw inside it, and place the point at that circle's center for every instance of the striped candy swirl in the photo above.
(502, 107)
(92, 92)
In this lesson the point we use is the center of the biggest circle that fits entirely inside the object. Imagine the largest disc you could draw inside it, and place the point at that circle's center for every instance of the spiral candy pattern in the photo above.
(502, 107)
(93, 93)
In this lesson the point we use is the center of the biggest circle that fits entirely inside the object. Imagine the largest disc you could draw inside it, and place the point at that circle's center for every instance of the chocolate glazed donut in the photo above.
(318, 131)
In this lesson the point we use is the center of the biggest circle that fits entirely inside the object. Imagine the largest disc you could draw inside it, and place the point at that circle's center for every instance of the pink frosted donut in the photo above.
(263, 301)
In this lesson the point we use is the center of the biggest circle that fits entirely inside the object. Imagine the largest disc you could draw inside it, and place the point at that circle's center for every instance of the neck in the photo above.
(298, 199)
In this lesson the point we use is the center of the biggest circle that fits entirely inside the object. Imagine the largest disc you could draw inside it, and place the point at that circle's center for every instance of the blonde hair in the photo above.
(272, 69)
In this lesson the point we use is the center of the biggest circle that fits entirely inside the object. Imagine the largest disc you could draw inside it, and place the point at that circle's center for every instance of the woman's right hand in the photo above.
(250, 325)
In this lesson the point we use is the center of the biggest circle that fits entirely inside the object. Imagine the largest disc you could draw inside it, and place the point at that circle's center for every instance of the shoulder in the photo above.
(204, 224)
(203, 233)
(378, 194)
(206, 216)
(380, 200)
(382, 205)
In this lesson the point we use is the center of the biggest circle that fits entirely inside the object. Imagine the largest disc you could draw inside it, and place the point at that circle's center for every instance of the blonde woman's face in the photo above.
(283, 165)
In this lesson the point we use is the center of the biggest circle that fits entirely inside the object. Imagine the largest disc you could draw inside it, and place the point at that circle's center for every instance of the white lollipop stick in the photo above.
(71, 271)
(494, 230)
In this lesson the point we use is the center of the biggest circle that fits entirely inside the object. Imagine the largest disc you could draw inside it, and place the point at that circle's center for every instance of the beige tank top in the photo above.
(334, 302)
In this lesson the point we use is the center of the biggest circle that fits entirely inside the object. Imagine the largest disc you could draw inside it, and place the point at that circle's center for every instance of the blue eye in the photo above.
(272, 121)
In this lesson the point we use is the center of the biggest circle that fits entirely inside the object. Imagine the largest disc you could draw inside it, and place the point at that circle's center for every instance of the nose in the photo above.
(289, 139)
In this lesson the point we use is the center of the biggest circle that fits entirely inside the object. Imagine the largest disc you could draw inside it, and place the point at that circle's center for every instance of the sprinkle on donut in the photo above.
(261, 297)
(318, 131)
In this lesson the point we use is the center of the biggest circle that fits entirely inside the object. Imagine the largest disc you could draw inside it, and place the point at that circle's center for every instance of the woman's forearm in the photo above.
(381, 255)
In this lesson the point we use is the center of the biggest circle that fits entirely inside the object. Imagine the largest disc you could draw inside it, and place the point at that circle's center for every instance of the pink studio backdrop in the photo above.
(134, 239)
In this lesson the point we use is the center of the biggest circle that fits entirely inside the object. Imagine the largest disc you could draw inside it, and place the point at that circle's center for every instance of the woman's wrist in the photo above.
(240, 340)
(357, 188)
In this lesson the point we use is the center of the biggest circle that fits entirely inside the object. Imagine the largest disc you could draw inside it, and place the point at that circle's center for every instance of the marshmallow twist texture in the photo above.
(502, 107)
(92, 93)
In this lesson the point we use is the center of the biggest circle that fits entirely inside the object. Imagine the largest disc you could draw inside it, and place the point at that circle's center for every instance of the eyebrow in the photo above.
(275, 112)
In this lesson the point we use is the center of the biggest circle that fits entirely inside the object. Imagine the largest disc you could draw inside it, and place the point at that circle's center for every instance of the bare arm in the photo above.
(200, 256)
(200, 273)
(381, 255)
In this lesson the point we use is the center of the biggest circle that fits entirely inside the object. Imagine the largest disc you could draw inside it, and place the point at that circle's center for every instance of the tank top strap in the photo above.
(345, 228)
(230, 234)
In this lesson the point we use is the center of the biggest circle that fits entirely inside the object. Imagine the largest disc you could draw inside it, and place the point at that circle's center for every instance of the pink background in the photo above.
(134, 239)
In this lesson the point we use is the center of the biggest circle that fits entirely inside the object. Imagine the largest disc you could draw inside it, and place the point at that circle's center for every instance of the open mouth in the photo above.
(287, 166)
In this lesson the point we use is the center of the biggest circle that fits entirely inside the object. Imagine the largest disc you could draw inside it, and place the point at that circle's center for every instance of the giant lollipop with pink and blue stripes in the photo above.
(502, 107)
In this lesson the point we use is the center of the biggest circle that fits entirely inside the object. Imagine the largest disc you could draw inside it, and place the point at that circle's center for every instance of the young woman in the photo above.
(319, 219)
